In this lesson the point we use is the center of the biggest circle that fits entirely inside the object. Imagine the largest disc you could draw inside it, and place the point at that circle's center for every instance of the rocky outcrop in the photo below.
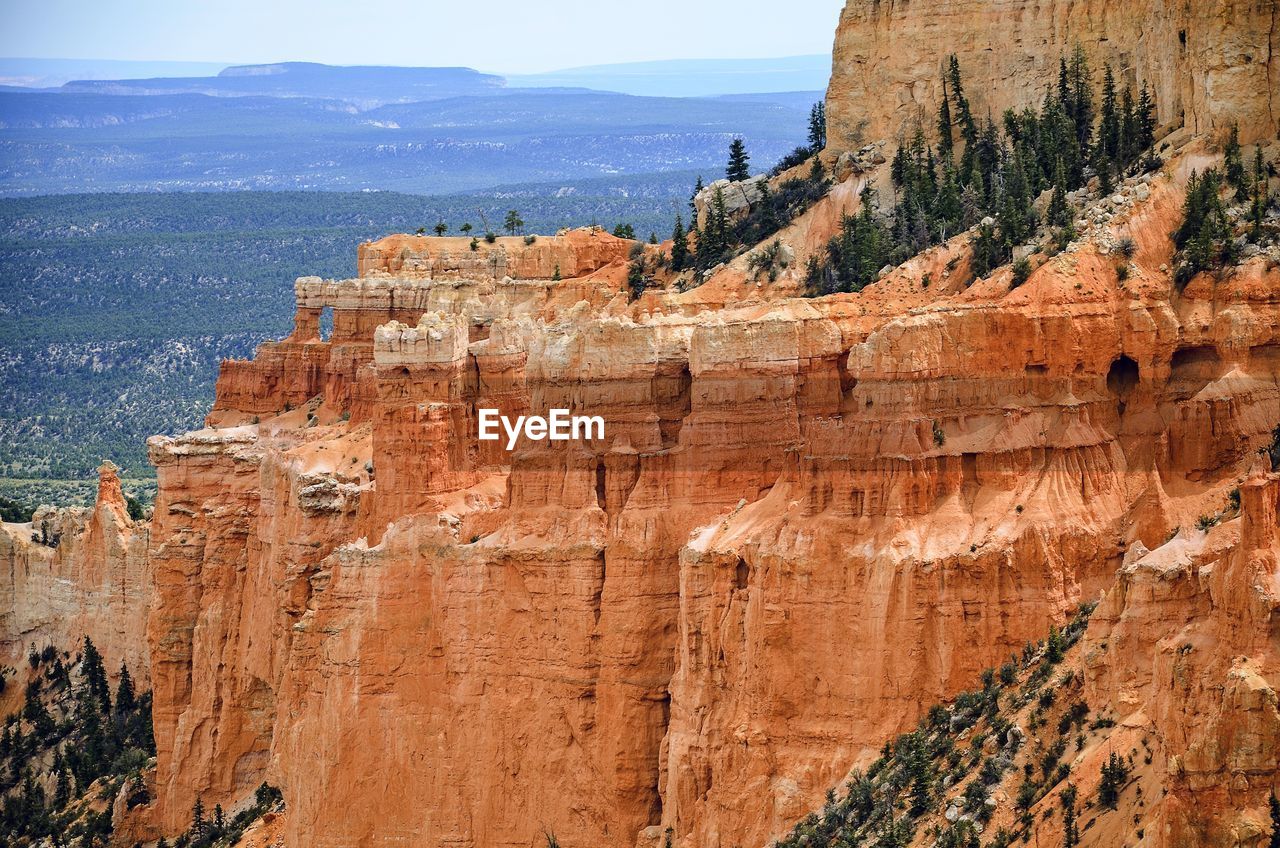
(401, 278)
(806, 521)
(571, 253)
(1209, 64)
(737, 197)
(1183, 647)
(74, 572)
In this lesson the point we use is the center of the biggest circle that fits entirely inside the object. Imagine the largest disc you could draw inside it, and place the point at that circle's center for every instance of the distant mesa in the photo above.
(366, 86)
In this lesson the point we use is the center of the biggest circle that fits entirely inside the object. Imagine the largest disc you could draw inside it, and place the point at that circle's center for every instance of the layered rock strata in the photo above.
(807, 521)
(72, 573)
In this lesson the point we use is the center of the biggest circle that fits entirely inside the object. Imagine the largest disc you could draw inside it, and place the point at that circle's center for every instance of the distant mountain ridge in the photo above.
(366, 86)
(369, 86)
(306, 126)
(35, 73)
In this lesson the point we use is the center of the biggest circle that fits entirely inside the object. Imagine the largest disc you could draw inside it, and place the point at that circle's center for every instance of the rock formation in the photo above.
(808, 520)
(75, 572)
(1209, 64)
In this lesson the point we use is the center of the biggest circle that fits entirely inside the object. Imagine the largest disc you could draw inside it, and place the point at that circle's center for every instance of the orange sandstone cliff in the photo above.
(809, 519)
(74, 572)
(1209, 64)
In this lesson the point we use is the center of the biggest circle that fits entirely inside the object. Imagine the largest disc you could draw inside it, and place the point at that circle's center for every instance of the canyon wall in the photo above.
(808, 520)
(1183, 648)
(1209, 64)
(75, 572)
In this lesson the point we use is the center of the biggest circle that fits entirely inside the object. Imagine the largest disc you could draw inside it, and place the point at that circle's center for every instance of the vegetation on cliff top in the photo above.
(989, 177)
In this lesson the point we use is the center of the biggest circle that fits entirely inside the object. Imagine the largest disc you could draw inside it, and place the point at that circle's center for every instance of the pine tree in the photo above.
(636, 280)
(1059, 214)
(855, 254)
(928, 186)
(989, 152)
(513, 222)
(1234, 165)
(198, 823)
(987, 250)
(1109, 132)
(1115, 773)
(1275, 821)
(36, 712)
(971, 205)
(818, 174)
(125, 700)
(1200, 252)
(1146, 119)
(697, 190)
(62, 788)
(899, 168)
(1192, 212)
(713, 238)
(947, 209)
(1070, 827)
(739, 168)
(1103, 168)
(1039, 168)
(1017, 219)
(1129, 150)
(1204, 226)
(1064, 89)
(869, 244)
(818, 127)
(1082, 97)
(93, 754)
(1054, 649)
(946, 143)
(720, 221)
(95, 675)
(33, 802)
(1261, 196)
(918, 770)
(679, 246)
(964, 116)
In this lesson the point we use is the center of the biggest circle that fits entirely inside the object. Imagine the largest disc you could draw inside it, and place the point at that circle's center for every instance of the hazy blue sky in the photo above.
(516, 36)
